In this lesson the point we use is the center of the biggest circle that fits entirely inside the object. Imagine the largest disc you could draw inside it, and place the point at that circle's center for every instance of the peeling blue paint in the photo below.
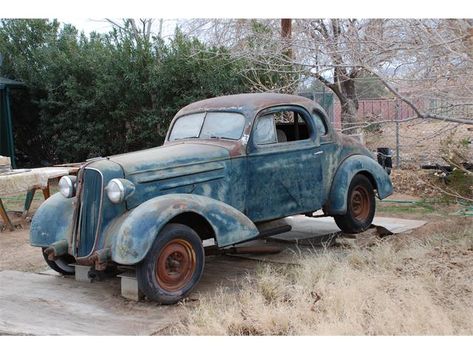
(131, 236)
(232, 184)
(355, 164)
(52, 221)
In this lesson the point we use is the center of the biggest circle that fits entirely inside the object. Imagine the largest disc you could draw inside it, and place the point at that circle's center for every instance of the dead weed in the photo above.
(415, 287)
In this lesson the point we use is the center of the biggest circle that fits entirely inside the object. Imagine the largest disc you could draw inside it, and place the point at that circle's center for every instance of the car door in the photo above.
(284, 165)
(329, 157)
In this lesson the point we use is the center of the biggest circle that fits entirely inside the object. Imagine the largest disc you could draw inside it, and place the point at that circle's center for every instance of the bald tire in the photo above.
(63, 264)
(148, 280)
(350, 222)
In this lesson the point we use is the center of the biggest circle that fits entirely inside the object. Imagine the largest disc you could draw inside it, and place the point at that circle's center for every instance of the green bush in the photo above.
(103, 94)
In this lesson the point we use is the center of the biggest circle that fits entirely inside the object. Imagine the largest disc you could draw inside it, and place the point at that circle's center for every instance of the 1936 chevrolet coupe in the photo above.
(228, 165)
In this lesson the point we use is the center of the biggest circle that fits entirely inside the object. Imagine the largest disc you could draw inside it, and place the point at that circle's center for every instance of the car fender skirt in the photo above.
(52, 221)
(131, 236)
(355, 164)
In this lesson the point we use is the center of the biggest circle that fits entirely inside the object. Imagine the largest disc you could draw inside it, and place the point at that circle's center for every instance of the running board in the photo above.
(266, 233)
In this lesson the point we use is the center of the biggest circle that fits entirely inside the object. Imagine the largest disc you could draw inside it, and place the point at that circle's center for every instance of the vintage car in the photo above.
(228, 166)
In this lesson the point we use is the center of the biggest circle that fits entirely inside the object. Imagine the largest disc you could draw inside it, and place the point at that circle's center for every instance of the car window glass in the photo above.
(291, 126)
(319, 124)
(265, 130)
(223, 125)
(187, 126)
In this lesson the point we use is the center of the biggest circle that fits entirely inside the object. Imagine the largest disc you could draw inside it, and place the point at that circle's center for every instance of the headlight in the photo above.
(67, 186)
(119, 189)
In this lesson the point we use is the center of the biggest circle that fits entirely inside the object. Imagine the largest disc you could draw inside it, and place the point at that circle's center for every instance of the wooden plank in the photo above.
(5, 217)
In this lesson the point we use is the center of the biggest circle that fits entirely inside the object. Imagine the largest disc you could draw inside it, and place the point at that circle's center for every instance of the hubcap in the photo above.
(176, 265)
(360, 203)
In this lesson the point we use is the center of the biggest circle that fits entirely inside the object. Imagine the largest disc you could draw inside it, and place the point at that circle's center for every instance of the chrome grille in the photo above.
(90, 211)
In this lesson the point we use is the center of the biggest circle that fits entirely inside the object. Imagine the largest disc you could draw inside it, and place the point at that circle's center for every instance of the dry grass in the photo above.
(411, 286)
(420, 140)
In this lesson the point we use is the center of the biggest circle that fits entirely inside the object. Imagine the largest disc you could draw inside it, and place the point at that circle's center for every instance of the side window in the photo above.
(291, 126)
(320, 124)
(265, 130)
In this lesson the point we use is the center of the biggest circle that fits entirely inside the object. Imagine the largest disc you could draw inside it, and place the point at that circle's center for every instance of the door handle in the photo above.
(319, 152)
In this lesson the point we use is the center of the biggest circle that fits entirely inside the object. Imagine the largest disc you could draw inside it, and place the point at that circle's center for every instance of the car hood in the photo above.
(157, 160)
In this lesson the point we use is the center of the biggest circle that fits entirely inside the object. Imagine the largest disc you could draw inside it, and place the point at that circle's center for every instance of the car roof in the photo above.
(248, 104)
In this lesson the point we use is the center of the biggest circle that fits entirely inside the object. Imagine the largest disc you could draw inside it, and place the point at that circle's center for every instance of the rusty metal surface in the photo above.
(103, 207)
(248, 104)
(265, 249)
(337, 199)
(131, 235)
(175, 265)
(57, 249)
(360, 203)
(229, 184)
(52, 221)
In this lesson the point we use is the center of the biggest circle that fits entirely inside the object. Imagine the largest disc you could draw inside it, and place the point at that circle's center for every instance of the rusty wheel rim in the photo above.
(175, 265)
(360, 203)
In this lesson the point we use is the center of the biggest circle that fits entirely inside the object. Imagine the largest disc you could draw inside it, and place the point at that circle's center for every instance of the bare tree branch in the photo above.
(414, 107)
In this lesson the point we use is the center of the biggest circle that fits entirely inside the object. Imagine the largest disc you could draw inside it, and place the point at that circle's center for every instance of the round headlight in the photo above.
(67, 186)
(119, 189)
(115, 191)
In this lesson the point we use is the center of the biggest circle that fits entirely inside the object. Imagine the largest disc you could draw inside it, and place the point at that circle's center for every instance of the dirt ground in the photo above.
(16, 253)
(365, 285)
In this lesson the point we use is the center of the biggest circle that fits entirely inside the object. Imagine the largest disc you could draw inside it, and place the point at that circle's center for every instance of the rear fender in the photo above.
(130, 237)
(355, 164)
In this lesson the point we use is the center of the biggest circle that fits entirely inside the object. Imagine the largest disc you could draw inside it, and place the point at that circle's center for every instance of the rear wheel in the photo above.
(361, 206)
(62, 264)
(173, 266)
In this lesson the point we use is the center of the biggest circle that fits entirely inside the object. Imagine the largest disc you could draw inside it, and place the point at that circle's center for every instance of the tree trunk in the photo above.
(349, 115)
(344, 87)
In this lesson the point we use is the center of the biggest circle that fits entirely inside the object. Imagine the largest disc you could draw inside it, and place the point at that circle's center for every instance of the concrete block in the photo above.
(5, 160)
(34, 304)
(129, 286)
(82, 273)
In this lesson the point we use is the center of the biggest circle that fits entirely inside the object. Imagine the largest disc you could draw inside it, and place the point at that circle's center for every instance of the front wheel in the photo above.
(173, 265)
(361, 206)
(62, 264)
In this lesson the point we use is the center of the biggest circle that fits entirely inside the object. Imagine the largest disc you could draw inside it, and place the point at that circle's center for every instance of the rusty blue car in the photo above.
(228, 166)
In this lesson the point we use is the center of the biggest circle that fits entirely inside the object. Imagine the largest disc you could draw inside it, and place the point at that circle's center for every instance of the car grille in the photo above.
(90, 211)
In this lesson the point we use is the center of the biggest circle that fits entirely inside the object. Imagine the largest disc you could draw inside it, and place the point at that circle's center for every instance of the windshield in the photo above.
(228, 125)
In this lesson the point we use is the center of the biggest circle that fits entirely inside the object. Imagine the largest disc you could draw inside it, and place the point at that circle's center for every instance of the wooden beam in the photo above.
(4, 215)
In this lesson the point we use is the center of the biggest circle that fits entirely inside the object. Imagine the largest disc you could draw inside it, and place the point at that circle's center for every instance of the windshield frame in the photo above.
(173, 123)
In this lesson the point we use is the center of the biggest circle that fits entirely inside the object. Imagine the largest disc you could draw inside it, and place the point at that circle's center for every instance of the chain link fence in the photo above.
(414, 142)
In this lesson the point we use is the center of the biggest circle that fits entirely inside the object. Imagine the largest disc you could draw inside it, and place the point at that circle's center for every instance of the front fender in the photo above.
(337, 201)
(52, 221)
(130, 237)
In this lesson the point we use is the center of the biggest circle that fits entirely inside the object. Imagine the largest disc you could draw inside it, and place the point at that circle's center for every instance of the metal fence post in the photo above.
(397, 117)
